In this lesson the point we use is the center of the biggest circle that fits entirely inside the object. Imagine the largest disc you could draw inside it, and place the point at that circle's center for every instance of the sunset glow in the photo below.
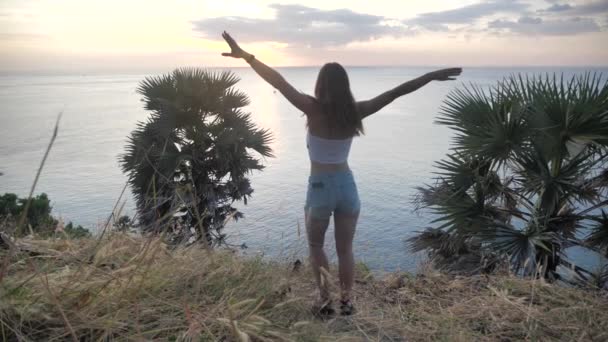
(139, 35)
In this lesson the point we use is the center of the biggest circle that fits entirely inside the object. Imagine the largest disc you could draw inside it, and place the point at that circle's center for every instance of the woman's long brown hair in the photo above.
(333, 93)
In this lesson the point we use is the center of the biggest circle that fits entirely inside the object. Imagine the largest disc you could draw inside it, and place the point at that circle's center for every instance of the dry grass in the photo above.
(128, 288)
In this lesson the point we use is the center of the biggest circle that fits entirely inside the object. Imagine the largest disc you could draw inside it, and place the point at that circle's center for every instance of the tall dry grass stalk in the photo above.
(21, 225)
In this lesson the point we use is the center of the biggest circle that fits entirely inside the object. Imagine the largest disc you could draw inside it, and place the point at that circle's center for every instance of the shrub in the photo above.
(38, 217)
(528, 174)
(188, 163)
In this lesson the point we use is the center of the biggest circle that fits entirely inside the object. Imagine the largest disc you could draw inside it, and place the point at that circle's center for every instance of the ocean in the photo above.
(83, 179)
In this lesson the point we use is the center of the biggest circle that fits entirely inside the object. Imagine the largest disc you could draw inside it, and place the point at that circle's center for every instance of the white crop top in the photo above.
(328, 151)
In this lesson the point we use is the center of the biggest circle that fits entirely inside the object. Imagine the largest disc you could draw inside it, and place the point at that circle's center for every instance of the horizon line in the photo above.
(85, 71)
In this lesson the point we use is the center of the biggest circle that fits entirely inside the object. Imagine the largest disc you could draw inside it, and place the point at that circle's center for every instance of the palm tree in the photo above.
(188, 162)
(527, 176)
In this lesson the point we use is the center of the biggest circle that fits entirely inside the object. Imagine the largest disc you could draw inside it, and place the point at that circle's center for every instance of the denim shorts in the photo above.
(332, 192)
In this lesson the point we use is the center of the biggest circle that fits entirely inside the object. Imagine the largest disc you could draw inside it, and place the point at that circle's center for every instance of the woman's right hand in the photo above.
(445, 74)
(235, 49)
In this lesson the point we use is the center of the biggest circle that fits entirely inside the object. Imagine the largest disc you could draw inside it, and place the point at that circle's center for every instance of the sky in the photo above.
(87, 35)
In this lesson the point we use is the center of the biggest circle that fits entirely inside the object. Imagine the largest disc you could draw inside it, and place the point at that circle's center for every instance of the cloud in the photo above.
(559, 8)
(553, 27)
(587, 8)
(529, 20)
(305, 26)
(302, 26)
(468, 14)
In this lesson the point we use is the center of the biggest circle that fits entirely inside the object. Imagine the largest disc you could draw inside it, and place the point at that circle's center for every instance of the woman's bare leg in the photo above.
(345, 225)
(316, 229)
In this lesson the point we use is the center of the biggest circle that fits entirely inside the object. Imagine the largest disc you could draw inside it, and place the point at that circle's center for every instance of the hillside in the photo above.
(128, 288)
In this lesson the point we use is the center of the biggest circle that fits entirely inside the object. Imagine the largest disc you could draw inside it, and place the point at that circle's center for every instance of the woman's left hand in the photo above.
(236, 51)
(446, 74)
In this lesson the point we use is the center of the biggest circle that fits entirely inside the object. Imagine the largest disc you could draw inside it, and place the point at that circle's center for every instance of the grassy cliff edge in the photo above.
(130, 288)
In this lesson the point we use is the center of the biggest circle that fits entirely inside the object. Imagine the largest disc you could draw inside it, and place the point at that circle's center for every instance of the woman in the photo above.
(333, 118)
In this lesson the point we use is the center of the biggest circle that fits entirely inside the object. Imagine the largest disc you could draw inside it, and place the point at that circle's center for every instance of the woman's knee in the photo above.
(344, 251)
(344, 245)
(315, 245)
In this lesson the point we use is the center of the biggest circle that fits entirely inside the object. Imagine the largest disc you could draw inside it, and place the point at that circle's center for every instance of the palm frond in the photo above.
(522, 246)
(439, 242)
(598, 237)
(569, 115)
(488, 124)
(555, 186)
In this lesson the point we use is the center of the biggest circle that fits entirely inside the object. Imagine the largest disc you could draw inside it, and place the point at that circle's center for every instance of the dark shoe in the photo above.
(324, 309)
(346, 308)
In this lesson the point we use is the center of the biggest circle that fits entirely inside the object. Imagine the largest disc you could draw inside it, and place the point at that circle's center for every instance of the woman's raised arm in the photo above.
(369, 107)
(301, 101)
